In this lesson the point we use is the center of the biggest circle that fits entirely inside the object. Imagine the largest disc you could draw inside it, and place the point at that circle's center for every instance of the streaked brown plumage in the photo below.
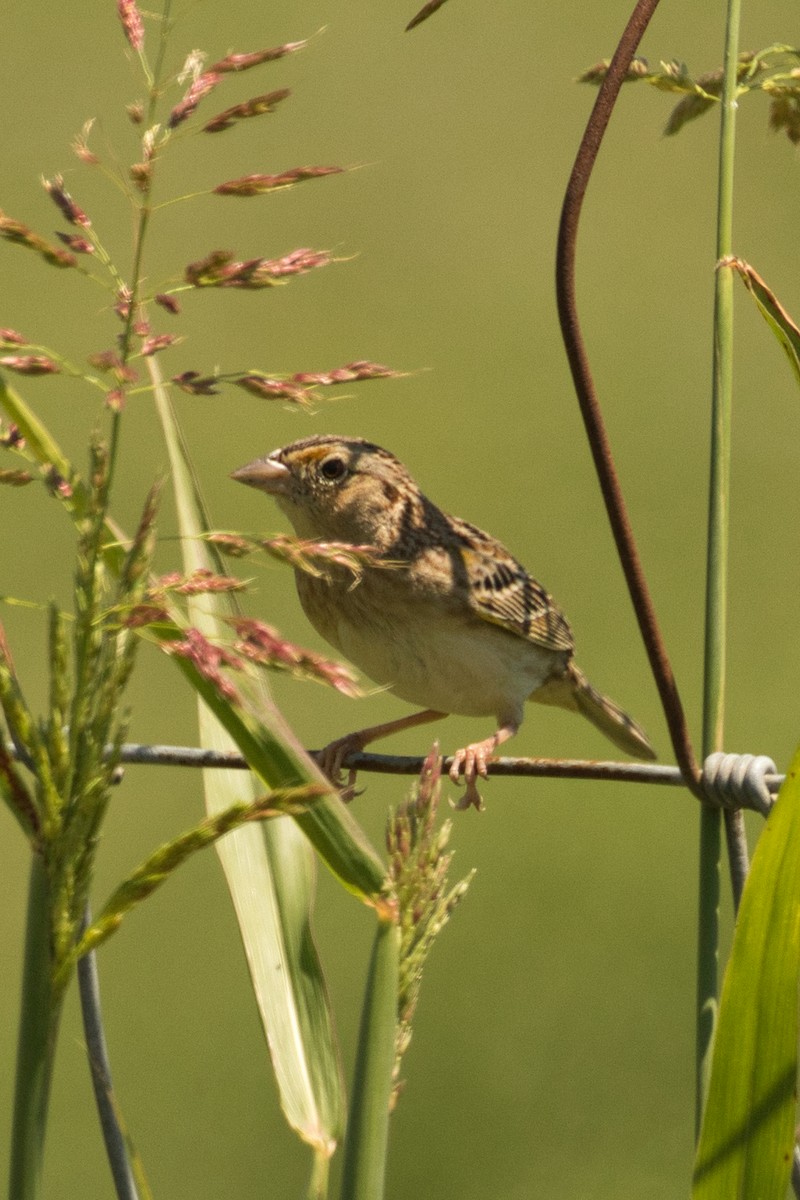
(457, 626)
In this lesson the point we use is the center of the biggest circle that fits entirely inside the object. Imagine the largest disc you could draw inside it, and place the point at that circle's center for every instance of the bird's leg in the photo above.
(332, 756)
(472, 761)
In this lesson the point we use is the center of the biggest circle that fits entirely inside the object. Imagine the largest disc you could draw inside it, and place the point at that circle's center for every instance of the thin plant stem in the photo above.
(145, 213)
(320, 1175)
(100, 1067)
(716, 584)
(40, 1012)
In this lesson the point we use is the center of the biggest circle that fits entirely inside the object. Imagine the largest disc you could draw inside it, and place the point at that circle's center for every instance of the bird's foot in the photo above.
(471, 762)
(335, 754)
(331, 759)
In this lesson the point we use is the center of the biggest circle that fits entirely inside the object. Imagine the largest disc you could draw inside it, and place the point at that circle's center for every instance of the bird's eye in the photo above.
(333, 469)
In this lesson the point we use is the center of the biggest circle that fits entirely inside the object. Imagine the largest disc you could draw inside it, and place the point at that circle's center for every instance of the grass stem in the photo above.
(40, 1011)
(717, 570)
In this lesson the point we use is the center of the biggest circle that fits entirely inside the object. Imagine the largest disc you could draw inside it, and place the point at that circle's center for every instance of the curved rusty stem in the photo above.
(587, 396)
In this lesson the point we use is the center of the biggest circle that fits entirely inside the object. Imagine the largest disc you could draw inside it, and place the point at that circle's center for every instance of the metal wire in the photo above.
(728, 780)
(590, 405)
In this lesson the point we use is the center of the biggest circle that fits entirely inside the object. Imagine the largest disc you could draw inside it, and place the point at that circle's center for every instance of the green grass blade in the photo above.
(47, 452)
(38, 1031)
(43, 446)
(269, 871)
(364, 1171)
(259, 730)
(771, 309)
(747, 1137)
(328, 825)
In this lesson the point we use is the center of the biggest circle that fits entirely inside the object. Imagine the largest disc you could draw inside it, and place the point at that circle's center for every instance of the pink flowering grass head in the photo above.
(258, 185)
(244, 62)
(132, 23)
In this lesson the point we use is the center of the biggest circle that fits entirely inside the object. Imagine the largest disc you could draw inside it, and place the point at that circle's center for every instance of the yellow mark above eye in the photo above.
(314, 453)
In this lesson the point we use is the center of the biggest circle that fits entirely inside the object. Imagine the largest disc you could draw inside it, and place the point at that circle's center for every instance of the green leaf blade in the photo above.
(747, 1139)
(270, 874)
(364, 1170)
(269, 871)
(771, 309)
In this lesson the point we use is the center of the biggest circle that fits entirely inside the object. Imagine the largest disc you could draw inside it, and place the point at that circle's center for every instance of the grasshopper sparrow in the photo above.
(458, 626)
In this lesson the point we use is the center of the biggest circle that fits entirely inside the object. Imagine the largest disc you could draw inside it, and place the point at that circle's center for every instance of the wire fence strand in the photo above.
(731, 781)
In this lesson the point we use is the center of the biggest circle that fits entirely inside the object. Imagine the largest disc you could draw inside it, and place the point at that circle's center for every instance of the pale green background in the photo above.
(552, 1054)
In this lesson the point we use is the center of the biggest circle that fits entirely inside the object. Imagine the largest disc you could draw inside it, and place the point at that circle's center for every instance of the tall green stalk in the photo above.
(717, 566)
(364, 1170)
(40, 1015)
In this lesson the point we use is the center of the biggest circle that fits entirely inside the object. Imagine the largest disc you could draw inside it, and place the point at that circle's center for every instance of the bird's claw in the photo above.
(349, 791)
(330, 761)
(471, 762)
(471, 799)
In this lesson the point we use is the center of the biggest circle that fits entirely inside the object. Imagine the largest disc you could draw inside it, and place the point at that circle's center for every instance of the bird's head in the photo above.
(336, 488)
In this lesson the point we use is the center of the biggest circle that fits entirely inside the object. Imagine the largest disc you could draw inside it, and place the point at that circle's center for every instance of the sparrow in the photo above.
(454, 625)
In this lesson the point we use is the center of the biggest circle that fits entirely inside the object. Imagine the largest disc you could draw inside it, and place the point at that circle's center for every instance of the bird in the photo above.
(444, 617)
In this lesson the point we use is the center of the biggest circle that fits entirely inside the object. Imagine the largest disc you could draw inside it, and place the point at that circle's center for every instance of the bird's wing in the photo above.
(502, 591)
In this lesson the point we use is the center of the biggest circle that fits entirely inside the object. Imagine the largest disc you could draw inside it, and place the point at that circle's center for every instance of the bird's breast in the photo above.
(424, 651)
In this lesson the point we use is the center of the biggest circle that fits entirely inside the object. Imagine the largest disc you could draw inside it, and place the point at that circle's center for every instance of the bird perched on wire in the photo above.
(457, 626)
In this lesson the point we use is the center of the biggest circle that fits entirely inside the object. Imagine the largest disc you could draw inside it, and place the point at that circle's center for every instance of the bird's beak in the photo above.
(265, 473)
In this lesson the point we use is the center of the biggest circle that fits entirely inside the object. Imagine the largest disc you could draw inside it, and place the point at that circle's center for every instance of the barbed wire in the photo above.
(729, 780)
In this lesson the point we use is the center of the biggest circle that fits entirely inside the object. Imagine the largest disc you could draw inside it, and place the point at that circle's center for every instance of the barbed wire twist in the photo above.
(729, 781)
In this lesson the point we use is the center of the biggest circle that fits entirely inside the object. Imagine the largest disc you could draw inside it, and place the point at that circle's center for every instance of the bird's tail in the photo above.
(573, 691)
